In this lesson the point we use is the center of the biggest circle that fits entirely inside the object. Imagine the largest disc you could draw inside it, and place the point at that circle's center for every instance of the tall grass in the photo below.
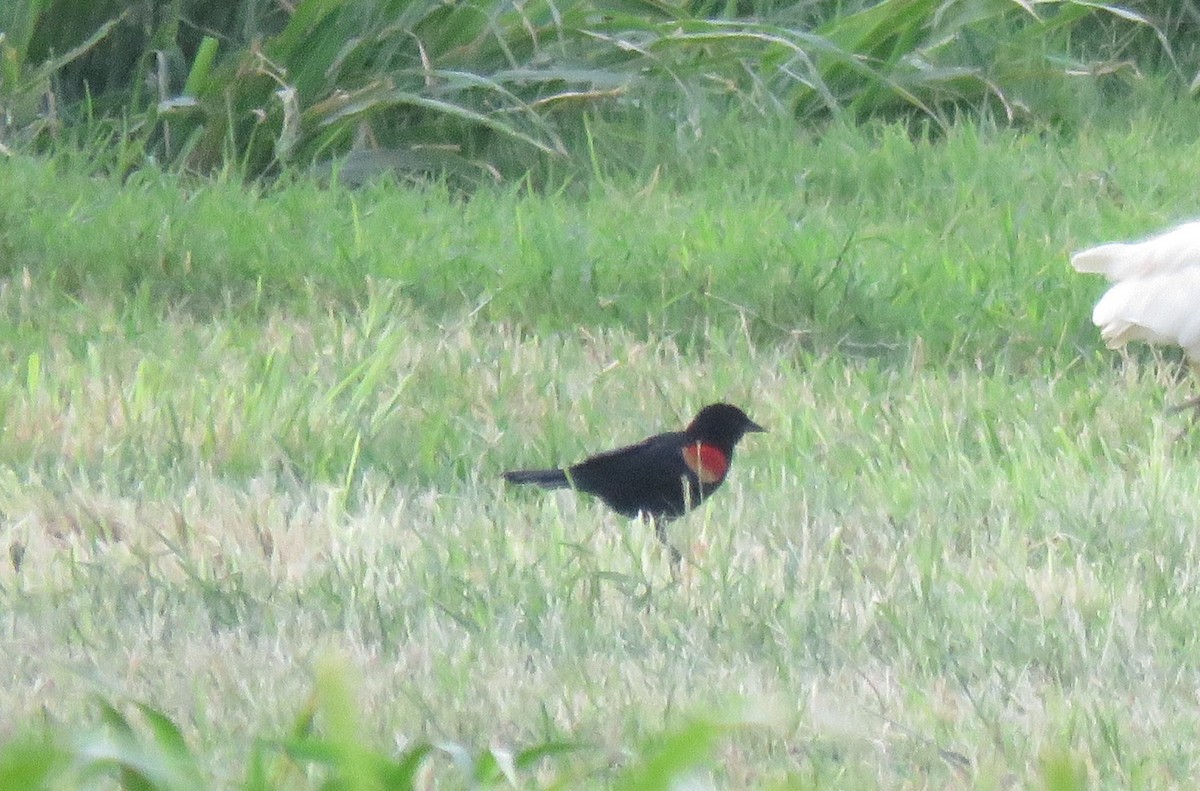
(483, 90)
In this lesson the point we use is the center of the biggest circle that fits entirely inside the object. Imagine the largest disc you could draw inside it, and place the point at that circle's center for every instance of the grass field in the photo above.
(246, 433)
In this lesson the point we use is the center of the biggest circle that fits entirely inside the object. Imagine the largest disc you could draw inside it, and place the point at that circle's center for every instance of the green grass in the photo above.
(865, 239)
(245, 432)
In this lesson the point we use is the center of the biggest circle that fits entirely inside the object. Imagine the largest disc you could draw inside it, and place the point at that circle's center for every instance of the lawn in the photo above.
(254, 434)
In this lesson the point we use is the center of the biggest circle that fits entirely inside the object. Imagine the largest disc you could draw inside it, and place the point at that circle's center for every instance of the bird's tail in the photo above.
(1115, 261)
(547, 479)
(1167, 252)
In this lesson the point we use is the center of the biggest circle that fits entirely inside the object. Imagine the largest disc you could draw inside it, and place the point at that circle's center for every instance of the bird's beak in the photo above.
(755, 428)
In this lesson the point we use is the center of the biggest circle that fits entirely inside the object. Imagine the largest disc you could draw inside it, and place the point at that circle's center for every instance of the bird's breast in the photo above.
(706, 461)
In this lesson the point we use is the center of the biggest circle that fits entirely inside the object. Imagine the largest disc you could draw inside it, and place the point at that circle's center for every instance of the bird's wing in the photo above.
(649, 459)
(1170, 251)
(634, 477)
(1161, 309)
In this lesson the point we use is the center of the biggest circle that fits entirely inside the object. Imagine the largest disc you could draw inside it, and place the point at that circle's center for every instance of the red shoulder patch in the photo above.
(707, 461)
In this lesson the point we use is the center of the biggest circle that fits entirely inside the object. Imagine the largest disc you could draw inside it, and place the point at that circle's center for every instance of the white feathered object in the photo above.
(1155, 296)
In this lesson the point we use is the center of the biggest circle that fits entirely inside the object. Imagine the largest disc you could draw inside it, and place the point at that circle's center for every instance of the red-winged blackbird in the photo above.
(659, 478)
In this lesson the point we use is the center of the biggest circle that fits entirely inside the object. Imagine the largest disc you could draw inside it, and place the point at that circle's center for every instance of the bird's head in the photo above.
(722, 425)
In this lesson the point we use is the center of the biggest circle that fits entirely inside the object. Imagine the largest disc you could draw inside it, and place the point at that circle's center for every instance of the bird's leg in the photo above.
(660, 530)
(1192, 403)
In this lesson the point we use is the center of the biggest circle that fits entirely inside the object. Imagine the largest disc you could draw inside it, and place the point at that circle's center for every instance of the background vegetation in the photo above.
(483, 89)
(254, 416)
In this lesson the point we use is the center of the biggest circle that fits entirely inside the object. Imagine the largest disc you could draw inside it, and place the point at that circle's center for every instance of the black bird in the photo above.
(660, 478)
